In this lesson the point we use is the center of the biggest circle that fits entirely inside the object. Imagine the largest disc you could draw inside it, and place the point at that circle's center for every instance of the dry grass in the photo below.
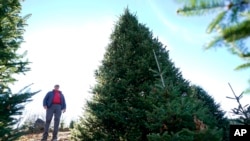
(62, 136)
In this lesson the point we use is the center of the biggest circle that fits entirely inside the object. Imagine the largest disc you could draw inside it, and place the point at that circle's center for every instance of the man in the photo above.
(54, 103)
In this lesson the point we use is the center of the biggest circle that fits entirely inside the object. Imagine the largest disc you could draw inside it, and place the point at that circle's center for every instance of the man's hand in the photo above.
(63, 110)
(45, 107)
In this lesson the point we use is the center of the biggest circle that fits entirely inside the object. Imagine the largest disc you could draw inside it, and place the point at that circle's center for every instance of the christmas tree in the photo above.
(11, 63)
(139, 92)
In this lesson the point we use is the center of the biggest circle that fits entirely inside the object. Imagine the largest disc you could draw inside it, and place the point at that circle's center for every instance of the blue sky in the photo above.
(66, 41)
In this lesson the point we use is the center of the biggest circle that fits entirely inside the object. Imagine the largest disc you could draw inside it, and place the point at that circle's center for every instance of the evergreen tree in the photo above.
(231, 24)
(11, 63)
(128, 101)
(119, 105)
(242, 111)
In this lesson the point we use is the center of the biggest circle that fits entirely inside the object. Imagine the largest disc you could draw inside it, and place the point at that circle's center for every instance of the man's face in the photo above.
(56, 87)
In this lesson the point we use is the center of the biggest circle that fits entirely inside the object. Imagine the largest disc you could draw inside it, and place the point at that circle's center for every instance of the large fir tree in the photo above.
(118, 109)
(11, 63)
(129, 102)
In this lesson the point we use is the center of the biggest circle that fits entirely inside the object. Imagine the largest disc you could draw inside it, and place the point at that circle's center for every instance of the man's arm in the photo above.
(64, 104)
(45, 99)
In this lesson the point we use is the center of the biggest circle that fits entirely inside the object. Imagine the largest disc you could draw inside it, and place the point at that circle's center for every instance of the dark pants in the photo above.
(55, 110)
